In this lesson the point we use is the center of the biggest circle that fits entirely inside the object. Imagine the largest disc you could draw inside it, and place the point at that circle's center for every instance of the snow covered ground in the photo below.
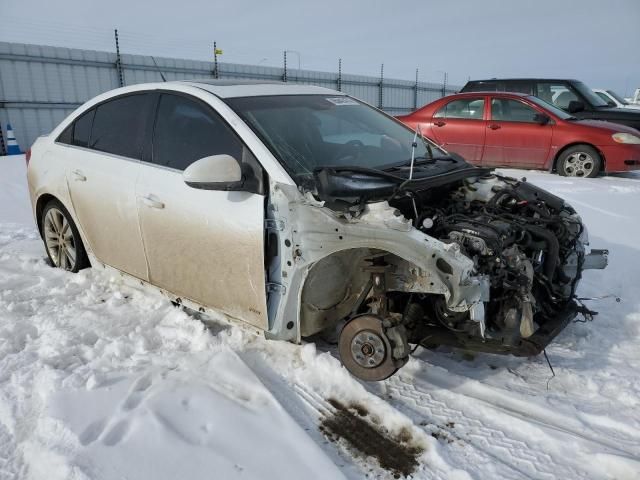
(102, 380)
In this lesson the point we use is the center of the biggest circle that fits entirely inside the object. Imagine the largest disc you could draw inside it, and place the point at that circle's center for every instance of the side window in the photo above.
(511, 110)
(118, 126)
(78, 132)
(187, 131)
(557, 94)
(82, 129)
(469, 108)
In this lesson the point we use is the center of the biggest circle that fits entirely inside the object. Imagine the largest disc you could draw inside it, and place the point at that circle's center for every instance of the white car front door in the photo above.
(203, 245)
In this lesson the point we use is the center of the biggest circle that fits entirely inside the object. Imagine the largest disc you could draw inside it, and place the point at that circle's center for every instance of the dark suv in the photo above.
(572, 96)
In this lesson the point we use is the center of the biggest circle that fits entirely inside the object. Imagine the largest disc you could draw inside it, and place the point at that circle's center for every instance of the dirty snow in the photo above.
(103, 380)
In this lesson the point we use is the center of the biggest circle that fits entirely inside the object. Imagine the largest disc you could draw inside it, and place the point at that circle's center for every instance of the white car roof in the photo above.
(246, 88)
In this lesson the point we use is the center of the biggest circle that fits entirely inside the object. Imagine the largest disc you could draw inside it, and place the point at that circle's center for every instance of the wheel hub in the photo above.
(368, 349)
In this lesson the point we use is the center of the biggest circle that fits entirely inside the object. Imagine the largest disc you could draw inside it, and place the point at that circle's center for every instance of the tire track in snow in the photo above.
(516, 457)
(439, 379)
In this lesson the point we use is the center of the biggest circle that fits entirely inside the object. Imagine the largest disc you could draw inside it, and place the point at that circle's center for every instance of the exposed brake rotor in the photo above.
(365, 349)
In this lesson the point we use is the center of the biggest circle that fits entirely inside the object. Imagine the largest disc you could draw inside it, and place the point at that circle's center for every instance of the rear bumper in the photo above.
(621, 158)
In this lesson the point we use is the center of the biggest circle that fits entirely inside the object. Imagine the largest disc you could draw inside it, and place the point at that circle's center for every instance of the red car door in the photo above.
(459, 127)
(514, 137)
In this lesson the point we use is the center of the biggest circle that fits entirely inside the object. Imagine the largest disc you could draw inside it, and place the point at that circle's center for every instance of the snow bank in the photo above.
(14, 196)
(103, 380)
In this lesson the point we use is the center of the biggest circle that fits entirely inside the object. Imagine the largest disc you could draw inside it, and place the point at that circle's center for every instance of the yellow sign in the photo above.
(218, 51)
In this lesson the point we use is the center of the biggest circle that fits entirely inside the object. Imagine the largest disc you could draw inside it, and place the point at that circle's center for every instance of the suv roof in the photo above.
(489, 92)
(253, 88)
(530, 79)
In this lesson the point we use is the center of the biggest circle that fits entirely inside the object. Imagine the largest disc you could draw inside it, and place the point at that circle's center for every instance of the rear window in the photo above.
(118, 126)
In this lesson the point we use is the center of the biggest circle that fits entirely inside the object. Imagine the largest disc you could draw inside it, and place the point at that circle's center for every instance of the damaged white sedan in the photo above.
(302, 211)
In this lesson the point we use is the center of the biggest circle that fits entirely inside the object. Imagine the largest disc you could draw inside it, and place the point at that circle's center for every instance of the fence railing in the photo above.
(40, 85)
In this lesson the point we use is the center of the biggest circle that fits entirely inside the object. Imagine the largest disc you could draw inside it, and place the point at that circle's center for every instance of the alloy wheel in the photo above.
(59, 240)
(579, 164)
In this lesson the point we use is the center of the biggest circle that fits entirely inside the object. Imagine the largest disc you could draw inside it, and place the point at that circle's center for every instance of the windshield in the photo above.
(617, 97)
(306, 132)
(591, 97)
(550, 107)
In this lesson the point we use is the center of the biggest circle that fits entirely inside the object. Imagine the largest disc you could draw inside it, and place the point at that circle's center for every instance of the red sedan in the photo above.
(518, 130)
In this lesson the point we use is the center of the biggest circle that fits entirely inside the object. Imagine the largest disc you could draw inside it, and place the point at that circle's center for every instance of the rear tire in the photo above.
(579, 161)
(61, 239)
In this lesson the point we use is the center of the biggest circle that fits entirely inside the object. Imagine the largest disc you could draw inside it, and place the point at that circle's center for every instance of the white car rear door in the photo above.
(104, 163)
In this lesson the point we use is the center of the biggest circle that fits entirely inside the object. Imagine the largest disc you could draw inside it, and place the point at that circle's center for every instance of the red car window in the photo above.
(507, 110)
(470, 108)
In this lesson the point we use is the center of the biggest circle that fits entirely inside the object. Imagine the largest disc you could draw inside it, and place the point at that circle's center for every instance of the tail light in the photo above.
(27, 156)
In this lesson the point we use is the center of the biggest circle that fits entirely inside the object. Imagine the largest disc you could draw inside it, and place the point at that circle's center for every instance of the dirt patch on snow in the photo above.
(397, 454)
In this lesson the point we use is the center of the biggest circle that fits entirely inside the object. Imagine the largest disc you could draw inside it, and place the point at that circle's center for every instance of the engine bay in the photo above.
(526, 241)
(528, 245)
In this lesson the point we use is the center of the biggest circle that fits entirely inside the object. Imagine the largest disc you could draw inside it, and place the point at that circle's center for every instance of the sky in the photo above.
(595, 41)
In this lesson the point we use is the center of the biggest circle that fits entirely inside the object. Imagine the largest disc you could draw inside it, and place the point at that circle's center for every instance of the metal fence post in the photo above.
(215, 60)
(415, 93)
(339, 74)
(380, 98)
(444, 84)
(284, 73)
(119, 61)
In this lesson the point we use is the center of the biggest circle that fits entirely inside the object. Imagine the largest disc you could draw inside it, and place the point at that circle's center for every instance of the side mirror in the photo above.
(612, 103)
(218, 172)
(575, 106)
(541, 118)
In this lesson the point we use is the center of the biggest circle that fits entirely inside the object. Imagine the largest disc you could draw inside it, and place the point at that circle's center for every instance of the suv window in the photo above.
(511, 110)
(478, 86)
(470, 108)
(118, 126)
(187, 130)
(519, 86)
(555, 93)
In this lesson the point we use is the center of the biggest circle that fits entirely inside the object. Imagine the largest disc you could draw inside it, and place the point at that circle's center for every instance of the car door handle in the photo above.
(493, 126)
(79, 176)
(152, 201)
(439, 123)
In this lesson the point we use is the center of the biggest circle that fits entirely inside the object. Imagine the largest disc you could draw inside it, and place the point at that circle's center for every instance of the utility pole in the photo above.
(119, 61)
(339, 74)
